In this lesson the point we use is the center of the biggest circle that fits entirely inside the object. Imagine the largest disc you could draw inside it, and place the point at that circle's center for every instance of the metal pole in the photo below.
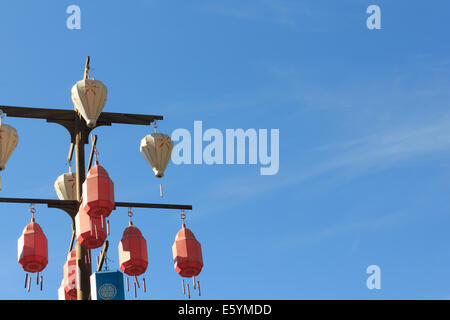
(83, 264)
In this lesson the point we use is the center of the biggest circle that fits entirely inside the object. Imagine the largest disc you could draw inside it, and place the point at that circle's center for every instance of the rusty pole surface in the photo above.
(84, 269)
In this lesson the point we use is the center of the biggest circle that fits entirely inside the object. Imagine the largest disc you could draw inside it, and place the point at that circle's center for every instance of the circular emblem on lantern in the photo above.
(107, 291)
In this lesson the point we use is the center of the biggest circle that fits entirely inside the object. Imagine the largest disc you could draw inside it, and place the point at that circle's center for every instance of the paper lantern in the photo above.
(156, 148)
(8, 142)
(65, 186)
(187, 257)
(133, 257)
(187, 253)
(98, 192)
(89, 97)
(69, 282)
(32, 248)
(91, 231)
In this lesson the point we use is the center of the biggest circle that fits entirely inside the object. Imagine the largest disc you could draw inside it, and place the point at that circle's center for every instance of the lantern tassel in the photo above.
(198, 285)
(189, 291)
(184, 288)
(128, 285)
(193, 280)
(42, 281)
(135, 292)
(96, 233)
(137, 281)
(29, 284)
(107, 227)
(145, 287)
(160, 190)
(26, 280)
(37, 278)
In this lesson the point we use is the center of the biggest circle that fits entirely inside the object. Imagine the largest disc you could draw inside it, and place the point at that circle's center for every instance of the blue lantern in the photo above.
(107, 285)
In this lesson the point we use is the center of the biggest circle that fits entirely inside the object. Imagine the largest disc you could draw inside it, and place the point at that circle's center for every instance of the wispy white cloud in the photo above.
(352, 158)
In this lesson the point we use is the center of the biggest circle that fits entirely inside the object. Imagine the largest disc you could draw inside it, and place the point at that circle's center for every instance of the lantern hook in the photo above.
(96, 155)
(130, 214)
(33, 211)
(183, 217)
(155, 125)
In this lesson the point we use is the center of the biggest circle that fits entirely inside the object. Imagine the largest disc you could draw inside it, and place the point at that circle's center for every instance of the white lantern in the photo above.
(65, 186)
(89, 97)
(156, 148)
(8, 142)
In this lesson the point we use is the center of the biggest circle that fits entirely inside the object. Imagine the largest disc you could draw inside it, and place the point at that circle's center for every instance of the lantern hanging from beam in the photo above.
(187, 256)
(65, 186)
(89, 97)
(32, 250)
(98, 192)
(156, 148)
(8, 142)
(133, 257)
(91, 231)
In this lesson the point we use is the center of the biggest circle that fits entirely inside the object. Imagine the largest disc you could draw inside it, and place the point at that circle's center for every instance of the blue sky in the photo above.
(364, 140)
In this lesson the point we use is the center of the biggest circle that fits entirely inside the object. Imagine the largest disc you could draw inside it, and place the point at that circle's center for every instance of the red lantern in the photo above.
(91, 231)
(69, 283)
(187, 256)
(133, 257)
(98, 192)
(187, 253)
(62, 295)
(32, 248)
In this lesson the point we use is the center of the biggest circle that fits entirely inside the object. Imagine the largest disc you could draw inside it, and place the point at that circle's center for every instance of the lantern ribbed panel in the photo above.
(69, 282)
(89, 97)
(98, 192)
(8, 142)
(90, 231)
(32, 248)
(63, 295)
(156, 148)
(65, 186)
(133, 256)
(187, 253)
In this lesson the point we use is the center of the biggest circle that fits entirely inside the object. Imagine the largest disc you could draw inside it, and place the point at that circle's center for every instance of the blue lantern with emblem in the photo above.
(107, 285)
